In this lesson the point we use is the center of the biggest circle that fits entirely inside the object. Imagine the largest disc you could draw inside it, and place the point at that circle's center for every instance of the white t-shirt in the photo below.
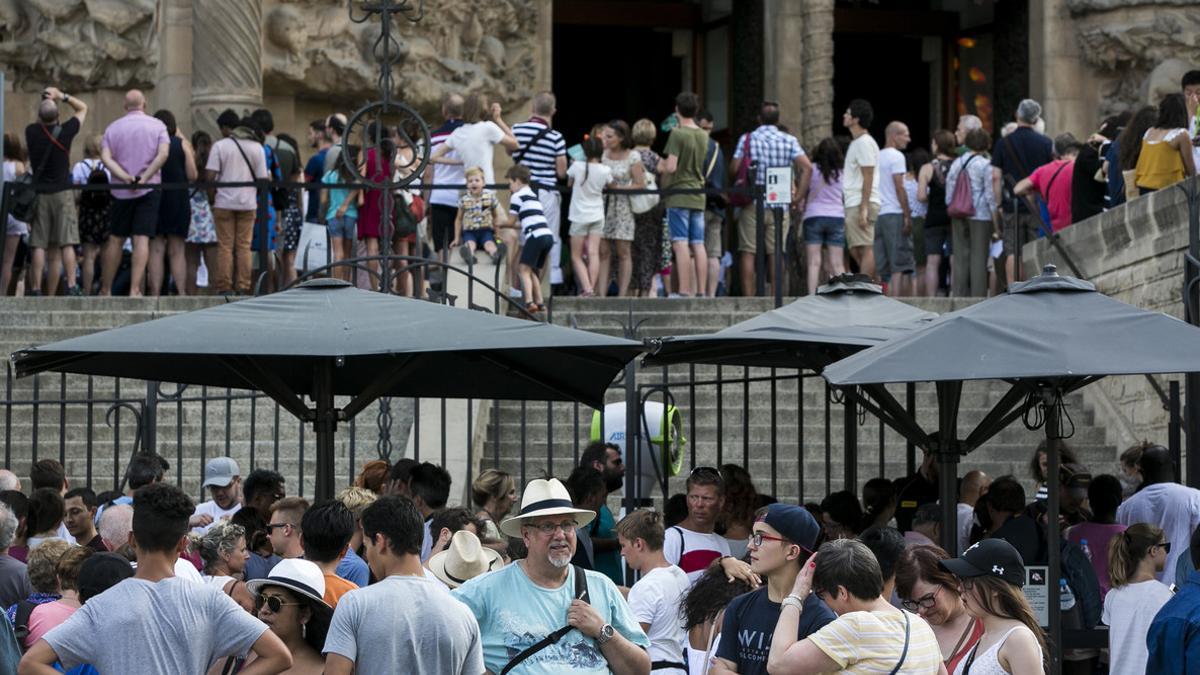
(587, 198)
(210, 507)
(1171, 506)
(863, 151)
(474, 144)
(693, 551)
(1128, 611)
(891, 162)
(655, 600)
(83, 170)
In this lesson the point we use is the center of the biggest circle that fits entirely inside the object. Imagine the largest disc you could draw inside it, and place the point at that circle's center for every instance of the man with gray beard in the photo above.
(538, 615)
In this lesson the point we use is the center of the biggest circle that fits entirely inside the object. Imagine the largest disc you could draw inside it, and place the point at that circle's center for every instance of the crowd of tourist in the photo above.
(389, 577)
(904, 216)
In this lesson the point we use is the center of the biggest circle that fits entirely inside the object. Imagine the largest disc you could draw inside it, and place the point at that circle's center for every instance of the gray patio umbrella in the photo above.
(1046, 337)
(326, 338)
(845, 316)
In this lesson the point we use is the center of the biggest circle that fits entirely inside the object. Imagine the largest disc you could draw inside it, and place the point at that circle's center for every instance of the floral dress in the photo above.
(201, 230)
(618, 214)
(648, 236)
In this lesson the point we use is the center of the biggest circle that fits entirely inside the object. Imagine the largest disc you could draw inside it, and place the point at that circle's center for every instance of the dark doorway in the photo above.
(888, 71)
(609, 72)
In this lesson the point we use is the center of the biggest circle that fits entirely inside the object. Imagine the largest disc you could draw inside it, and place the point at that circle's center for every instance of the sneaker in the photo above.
(467, 256)
(74, 292)
(516, 293)
(34, 293)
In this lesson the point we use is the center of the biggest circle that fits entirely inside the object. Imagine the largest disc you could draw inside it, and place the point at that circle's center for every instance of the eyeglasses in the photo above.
(926, 601)
(756, 539)
(1165, 546)
(274, 602)
(551, 528)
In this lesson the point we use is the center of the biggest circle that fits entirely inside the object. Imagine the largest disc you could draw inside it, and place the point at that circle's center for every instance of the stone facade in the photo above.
(1133, 253)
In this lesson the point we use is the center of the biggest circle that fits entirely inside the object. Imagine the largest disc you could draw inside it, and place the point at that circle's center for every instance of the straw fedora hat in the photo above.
(465, 559)
(544, 498)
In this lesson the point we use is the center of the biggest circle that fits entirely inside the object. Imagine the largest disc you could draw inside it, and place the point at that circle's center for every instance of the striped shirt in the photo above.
(872, 642)
(445, 174)
(541, 156)
(526, 206)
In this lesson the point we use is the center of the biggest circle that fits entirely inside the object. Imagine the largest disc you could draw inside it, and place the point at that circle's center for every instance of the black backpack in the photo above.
(96, 199)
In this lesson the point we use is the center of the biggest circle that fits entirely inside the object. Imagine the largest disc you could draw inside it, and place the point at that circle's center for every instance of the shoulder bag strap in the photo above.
(253, 173)
(581, 593)
(1009, 146)
(716, 150)
(46, 157)
(1051, 182)
(520, 153)
(903, 654)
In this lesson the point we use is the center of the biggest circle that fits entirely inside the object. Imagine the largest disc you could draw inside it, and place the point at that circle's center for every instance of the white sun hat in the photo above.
(544, 498)
(465, 559)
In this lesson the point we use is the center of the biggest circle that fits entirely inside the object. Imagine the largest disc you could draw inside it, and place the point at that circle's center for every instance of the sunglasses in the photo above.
(274, 602)
(271, 528)
(706, 471)
(1165, 546)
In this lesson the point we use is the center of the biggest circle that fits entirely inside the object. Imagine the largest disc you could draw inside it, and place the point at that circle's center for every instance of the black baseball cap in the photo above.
(793, 522)
(994, 557)
(101, 572)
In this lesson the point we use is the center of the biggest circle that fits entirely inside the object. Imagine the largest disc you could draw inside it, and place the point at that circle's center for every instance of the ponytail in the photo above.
(1127, 550)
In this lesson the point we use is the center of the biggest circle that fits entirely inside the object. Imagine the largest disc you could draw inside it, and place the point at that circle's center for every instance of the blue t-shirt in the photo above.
(750, 624)
(353, 568)
(608, 562)
(514, 614)
(314, 171)
(1173, 641)
(339, 195)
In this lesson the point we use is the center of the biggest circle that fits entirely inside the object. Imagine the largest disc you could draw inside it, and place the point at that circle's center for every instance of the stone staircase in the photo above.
(50, 415)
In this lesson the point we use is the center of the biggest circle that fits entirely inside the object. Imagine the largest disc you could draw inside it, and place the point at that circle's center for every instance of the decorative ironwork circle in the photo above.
(367, 126)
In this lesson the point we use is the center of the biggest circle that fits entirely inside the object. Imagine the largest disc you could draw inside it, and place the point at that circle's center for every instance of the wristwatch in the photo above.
(606, 634)
(65, 96)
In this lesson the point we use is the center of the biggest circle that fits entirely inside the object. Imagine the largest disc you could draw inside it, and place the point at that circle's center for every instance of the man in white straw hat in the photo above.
(407, 621)
(544, 615)
(465, 559)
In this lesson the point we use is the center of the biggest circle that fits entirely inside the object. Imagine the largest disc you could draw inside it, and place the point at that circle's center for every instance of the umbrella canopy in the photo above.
(846, 315)
(420, 348)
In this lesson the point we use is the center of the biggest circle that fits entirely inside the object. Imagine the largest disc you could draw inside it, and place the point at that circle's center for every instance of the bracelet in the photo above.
(793, 600)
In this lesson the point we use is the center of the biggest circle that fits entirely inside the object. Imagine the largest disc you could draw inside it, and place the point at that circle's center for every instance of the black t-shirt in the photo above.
(911, 492)
(37, 139)
(1029, 151)
(750, 624)
(1087, 194)
(1025, 536)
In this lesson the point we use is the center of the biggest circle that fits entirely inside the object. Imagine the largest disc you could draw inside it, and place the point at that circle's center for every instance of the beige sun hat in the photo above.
(465, 559)
(544, 498)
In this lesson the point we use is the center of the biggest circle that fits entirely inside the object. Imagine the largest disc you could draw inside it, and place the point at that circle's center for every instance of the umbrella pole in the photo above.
(850, 431)
(324, 425)
(949, 396)
(1053, 533)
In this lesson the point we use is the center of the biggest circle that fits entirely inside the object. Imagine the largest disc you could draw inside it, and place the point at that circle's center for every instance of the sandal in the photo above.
(533, 308)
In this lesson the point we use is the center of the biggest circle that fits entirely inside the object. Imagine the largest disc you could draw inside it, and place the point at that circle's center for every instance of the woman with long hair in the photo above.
(14, 165)
(1037, 466)
(649, 256)
(628, 173)
(741, 501)
(289, 601)
(1129, 148)
(971, 236)
(703, 610)
(1134, 558)
(93, 209)
(824, 214)
(1166, 156)
(202, 230)
(931, 189)
(990, 575)
(933, 593)
(494, 494)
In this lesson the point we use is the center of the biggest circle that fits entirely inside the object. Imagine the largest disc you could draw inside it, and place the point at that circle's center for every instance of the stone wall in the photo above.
(1133, 253)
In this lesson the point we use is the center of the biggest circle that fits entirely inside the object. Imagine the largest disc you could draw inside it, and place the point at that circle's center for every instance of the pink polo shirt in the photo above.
(133, 141)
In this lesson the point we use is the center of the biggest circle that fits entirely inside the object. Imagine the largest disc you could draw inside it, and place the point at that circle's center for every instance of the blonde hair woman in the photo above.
(494, 494)
(1134, 558)
(648, 255)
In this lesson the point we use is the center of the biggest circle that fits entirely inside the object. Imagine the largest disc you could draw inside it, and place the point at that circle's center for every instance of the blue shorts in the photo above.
(479, 236)
(686, 225)
(825, 230)
(342, 228)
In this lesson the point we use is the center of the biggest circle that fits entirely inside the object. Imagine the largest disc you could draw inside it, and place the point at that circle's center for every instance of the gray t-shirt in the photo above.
(14, 581)
(408, 624)
(173, 626)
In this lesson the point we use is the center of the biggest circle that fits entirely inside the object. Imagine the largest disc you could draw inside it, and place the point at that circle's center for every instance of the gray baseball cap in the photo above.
(220, 472)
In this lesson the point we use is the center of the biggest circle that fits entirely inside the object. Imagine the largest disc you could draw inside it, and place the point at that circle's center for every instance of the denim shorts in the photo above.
(480, 236)
(342, 228)
(686, 225)
(825, 230)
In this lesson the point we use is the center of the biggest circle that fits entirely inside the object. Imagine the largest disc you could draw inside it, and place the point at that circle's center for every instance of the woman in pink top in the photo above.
(1104, 496)
(824, 215)
(50, 615)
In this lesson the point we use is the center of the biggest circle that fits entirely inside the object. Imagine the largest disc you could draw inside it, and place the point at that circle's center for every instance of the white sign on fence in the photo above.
(779, 186)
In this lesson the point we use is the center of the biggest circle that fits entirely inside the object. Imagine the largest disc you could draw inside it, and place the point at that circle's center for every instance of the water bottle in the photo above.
(1066, 599)
(1086, 551)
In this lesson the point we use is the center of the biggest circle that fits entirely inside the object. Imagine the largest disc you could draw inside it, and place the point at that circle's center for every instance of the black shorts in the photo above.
(441, 222)
(535, 250)
(135, 217)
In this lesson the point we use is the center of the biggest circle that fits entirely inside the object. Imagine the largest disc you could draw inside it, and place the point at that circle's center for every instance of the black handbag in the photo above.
(24, 196)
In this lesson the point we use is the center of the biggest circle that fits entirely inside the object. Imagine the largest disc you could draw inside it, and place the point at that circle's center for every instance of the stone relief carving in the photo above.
(79, 44)
(311, 48)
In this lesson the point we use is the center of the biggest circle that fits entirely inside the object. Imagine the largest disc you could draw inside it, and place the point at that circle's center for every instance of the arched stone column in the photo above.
(226, 59)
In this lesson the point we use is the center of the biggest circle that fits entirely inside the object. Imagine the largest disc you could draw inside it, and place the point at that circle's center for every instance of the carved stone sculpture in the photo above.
(226, 59)
(79, 44)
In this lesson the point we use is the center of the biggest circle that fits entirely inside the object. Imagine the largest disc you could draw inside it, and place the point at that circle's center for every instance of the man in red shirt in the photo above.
(1053, 181)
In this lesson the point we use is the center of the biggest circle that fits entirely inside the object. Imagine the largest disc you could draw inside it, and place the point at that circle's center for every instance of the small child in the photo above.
(527, 215)
(587, 180)
(341, 213)
(655, 599)
(478, 211)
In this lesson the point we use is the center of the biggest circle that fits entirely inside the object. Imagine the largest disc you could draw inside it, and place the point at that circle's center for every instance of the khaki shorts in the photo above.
(856, 234)
(54, 222)
(748, 226)
(584, 229)
(712, 234)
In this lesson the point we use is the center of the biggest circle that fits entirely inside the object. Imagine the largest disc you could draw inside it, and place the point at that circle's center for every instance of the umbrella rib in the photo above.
(50, 361)
(999, 417)
(888, 409)
(377, 388)
(270, 383)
